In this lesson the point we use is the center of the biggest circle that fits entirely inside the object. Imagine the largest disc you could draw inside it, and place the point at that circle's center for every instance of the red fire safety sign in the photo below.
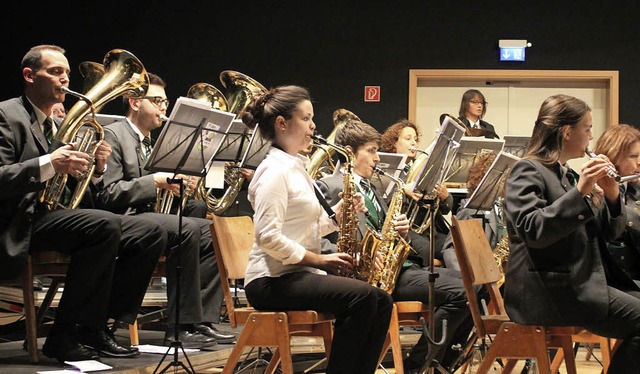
(371, 93)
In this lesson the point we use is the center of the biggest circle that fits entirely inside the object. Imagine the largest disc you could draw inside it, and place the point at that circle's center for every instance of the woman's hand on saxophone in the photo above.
(67, 161)
(332, 263)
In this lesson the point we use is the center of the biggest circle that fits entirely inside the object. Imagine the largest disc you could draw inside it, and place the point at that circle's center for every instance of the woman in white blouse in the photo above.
(286, 269)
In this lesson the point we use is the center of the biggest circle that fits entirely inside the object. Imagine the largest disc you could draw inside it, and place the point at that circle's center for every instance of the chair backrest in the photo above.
(477, 266)
(232, 241)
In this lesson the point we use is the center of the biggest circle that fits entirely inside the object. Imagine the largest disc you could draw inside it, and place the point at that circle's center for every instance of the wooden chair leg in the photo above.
(569, 358)
(133, 333)
(30, 312)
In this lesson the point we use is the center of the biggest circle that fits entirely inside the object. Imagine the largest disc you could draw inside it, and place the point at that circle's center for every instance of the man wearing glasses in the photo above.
(130, 189)
(473, 108)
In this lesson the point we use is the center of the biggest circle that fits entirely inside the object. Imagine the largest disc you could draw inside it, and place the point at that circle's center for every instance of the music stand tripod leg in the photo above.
(176, 331)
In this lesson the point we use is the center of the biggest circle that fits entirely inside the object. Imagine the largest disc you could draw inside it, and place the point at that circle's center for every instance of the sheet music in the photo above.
(391, 163)
(492, 182)
(179, 137)
(470, 147)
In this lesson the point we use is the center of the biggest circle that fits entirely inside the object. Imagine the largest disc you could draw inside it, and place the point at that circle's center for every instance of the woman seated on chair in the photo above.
(286, 269)
(558, 222)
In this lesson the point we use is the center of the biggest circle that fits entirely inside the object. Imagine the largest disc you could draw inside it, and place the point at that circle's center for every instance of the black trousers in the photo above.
(622, 322)
(362, 313)
(450, 302)
(112, 258)
(200, 292)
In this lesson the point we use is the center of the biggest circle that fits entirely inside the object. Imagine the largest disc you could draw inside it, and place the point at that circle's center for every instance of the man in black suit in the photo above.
(412, 284)
(473, 108)
(112, 257)
(131, 190)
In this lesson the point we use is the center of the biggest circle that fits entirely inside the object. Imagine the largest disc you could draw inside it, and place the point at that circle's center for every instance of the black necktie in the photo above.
(573, 177)
(47, 128)
(146, 143)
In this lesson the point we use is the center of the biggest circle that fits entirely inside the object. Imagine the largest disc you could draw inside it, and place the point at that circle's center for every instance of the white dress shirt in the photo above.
(288, 218)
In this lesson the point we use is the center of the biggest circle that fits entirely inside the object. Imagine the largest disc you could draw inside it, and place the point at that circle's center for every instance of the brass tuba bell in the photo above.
(321, 160)
(92, 72)
(124, 75)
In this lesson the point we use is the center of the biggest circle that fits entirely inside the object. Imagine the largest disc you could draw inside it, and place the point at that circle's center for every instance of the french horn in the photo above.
(124, 75)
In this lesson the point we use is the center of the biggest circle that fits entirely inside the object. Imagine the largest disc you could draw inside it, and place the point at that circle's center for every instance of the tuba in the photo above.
(387, 244)
(207, 93)
(92, 72)
(124, 74)
(240, 91)
(348, 233)
(321, 160)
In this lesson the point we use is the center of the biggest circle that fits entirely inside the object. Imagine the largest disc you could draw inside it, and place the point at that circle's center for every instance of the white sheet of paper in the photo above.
(88, 365)
(149, 348)
(65, 371)
(215, 176)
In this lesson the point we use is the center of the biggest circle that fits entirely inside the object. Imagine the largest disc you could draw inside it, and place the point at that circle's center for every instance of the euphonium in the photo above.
(164, 198)
(387, 244)
(322, 157)
(240, 90)
(124, 74)
(348, 233)
(92, 72)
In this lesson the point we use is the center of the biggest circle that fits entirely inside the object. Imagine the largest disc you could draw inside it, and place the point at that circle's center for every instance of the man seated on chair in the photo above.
(111, 256)
(413, 281)
(131, 190)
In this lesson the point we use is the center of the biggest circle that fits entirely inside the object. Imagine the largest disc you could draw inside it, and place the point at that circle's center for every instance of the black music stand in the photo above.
(433, 173)
(392, 164)
(491, 184)
(189, 139)
(470, 147)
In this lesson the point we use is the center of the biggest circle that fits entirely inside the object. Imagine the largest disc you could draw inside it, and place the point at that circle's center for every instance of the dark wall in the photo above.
(333, 48)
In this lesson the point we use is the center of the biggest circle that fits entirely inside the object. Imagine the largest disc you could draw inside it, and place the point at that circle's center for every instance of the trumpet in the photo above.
(611, 171)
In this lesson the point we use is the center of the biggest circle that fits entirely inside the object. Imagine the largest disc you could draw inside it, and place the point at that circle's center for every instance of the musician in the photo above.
(473, 108)
(621, 144)
(413, 282)
(492, 219)
(560, 272)
(403, 137)
(131, 190)
(286, 269)
(98, 285)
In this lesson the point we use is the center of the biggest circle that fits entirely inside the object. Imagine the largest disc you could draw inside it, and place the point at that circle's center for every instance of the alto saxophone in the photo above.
(348, 232)
(386, 244)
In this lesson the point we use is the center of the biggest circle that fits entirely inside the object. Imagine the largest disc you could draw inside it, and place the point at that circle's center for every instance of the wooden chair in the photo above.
(232, 241)
(44, 264)
(405, 313)
(588, 338)
(511, 340)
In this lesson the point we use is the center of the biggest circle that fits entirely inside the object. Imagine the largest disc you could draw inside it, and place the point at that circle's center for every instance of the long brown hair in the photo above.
(616, 142)
(556, 111)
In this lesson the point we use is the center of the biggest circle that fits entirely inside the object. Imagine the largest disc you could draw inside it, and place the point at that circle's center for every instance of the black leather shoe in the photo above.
(222, 337)
(189, 339)
(105, 344)
(65, 348)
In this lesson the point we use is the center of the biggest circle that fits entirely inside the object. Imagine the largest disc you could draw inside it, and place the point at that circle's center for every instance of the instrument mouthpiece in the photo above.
(319, 139)
(163, 117)
(414, 149)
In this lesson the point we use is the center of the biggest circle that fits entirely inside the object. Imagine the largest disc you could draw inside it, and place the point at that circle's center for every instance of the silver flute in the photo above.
(629, 177)
(611, 171)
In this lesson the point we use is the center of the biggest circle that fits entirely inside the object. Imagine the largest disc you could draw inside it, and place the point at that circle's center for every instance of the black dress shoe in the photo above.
(222, 337)
(189, 339)
(102, 342)
(65, 348)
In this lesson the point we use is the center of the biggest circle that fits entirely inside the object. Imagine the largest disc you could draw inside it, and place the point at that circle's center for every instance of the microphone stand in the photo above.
(176, 330)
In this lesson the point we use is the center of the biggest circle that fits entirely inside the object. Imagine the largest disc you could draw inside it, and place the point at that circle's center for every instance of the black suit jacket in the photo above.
(559, 265)
(483, 125)
(21, 143)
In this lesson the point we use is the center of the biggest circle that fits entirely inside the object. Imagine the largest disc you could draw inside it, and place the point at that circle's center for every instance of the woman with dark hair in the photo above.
(621, 144)
(473, 108)
(286, 269)
(560, 272)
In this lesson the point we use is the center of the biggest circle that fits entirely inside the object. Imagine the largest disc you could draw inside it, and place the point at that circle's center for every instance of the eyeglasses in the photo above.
(157, 100)
(476, 102)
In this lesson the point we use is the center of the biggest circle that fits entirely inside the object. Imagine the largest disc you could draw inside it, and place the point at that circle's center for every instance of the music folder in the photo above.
(492, 183)
(190, 138)
(392, 164)
(517, 145)
(470, 147)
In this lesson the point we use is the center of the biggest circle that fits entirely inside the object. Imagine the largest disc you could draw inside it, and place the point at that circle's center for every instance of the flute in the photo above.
(611, 171)
(629, 177)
